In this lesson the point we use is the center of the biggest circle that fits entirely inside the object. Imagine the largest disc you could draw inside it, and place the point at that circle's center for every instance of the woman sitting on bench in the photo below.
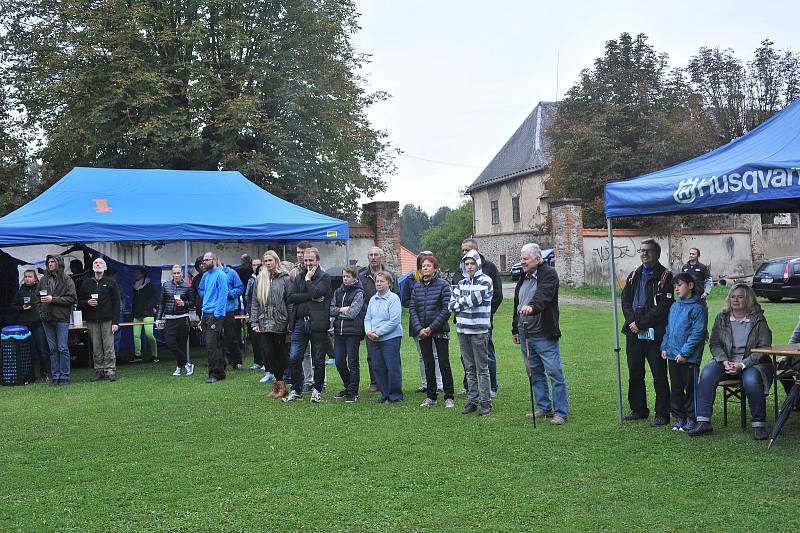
(738, 329)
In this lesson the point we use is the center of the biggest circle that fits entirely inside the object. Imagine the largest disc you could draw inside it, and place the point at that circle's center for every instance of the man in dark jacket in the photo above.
(366, 276)
(99, 301)
(490, 270)
(311, 298)
(699, 272)
(646, 300)
(56, 298)
(535, 327)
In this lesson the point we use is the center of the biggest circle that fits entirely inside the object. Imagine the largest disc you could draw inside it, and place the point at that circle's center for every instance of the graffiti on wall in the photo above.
(628, 249)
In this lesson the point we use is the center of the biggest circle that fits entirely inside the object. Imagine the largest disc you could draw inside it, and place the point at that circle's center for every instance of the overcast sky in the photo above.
(464, 74)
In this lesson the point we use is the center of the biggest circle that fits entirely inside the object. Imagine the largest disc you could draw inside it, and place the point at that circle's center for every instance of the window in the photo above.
(503, 263)
(515, 209)
(495, 212)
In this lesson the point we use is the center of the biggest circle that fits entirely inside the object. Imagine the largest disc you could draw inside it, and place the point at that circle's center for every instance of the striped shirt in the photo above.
(471, 300)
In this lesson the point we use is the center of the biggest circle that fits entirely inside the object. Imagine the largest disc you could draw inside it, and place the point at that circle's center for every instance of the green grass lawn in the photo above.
(155, 452)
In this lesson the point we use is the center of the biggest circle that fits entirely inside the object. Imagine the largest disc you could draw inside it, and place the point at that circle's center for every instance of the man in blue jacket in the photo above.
(214, 292)
(230, 328)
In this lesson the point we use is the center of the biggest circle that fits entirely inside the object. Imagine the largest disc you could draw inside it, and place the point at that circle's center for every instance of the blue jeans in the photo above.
(301, 336)
(57, 334)
(753, 385)
(544, 358)
(345, 352)
(387, 367)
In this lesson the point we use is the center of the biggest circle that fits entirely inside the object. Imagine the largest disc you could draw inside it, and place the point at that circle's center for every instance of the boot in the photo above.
(274, 392)
(281, 389)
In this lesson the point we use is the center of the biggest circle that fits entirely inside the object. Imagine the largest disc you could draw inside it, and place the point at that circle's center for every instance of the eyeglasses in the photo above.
(204, 260)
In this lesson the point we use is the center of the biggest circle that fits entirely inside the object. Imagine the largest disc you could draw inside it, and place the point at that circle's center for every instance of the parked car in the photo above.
(778, 278)
(548, 256)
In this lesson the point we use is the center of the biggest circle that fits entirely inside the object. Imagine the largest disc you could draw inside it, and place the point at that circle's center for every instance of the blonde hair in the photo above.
(750, 303)
(264, 280)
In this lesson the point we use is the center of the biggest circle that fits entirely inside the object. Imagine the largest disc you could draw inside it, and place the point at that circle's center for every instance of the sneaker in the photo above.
(308, 387)
(137, 358)
(659, 421)
(700, 429)
(679, 425)
(485, 410)
(256, 366)
(428, 403)
(493, 394)
(449, 403)
(539, 413)
(293, 397)
(469, 408)
(558, 420)
(238, 366)
(189, 369)
(351, 399)
(340, 395)
(422, 389)
(268, 376)
(156, 360)
(98, 376)
(690, 424)
(316, 396)
(373, 387)
(463, 392)
(760, 433)
(177, 371)
(633, 415)
(211, 379)
(112, 376)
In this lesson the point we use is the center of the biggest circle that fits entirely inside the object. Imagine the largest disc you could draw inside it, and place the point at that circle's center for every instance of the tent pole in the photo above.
(186, 276)
(612, 278)
(347, 252)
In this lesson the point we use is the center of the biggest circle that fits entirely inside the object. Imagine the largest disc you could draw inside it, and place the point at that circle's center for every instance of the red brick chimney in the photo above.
(384, 219)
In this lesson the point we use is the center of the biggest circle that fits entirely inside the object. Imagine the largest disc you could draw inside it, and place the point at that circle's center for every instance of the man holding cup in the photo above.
(99, 301)
(56, 298)
(173, 316)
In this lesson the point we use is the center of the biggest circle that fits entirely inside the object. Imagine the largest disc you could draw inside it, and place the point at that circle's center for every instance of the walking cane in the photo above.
(530, 380)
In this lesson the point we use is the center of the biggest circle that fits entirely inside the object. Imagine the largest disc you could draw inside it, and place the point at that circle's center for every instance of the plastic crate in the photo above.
(17, 368)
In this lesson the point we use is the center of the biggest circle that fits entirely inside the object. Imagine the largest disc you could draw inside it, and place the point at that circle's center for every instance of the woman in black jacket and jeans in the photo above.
(347, 310)
(429, 323)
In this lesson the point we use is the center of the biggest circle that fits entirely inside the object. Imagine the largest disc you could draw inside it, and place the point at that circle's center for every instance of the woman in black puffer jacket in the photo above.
(347, 310)
(429, 318)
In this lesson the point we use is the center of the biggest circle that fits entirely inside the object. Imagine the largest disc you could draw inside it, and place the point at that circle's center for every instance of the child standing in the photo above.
(683, 346)
(471, 302)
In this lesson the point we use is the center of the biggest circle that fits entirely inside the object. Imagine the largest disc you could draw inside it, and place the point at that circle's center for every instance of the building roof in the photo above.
(408, 260)
(528, 150)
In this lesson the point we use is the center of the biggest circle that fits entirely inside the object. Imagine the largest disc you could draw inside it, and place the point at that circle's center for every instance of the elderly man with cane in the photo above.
(535, 327)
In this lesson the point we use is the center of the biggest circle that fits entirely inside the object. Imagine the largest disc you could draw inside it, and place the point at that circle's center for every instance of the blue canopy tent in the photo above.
(104, 204)
(758, 172)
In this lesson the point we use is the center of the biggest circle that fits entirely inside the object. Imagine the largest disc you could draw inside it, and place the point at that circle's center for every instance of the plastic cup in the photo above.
(43, 293)
(95, 296)
(26, 299)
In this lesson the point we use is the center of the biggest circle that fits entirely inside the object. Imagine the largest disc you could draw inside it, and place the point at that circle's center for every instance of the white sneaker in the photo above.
(316, 396)
(256, 366)
(177, 371)
(493, 394)
(449, 403)
(268, 376)
(189, 369)
(428, 403)
(293, 397)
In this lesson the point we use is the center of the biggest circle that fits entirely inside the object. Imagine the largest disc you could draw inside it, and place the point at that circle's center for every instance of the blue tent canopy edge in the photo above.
(757, 172)
(106, 205)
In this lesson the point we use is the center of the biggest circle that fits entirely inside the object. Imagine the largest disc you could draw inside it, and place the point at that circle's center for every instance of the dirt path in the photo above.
(508, 293)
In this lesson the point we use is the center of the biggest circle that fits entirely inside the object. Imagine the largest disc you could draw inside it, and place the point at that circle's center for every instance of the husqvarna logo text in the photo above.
(755, 181)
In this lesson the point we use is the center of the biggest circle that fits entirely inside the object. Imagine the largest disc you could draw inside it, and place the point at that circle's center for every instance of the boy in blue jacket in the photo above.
(682, 346)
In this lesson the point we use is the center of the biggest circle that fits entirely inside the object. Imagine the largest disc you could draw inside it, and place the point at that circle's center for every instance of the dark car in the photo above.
(548, 256)
(778, 278)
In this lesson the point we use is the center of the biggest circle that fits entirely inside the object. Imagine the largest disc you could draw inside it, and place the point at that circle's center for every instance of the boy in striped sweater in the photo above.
(471, 302)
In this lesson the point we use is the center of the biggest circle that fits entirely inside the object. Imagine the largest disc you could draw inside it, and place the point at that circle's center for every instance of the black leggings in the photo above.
(271, 348)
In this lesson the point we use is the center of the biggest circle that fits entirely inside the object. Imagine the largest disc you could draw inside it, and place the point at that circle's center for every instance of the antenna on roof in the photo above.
(558, 57)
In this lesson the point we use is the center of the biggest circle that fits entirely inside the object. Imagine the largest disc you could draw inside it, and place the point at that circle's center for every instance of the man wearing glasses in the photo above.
(646, 300)
(214, 291)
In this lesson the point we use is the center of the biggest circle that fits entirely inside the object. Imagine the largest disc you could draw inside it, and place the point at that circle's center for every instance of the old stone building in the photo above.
(510, 197)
